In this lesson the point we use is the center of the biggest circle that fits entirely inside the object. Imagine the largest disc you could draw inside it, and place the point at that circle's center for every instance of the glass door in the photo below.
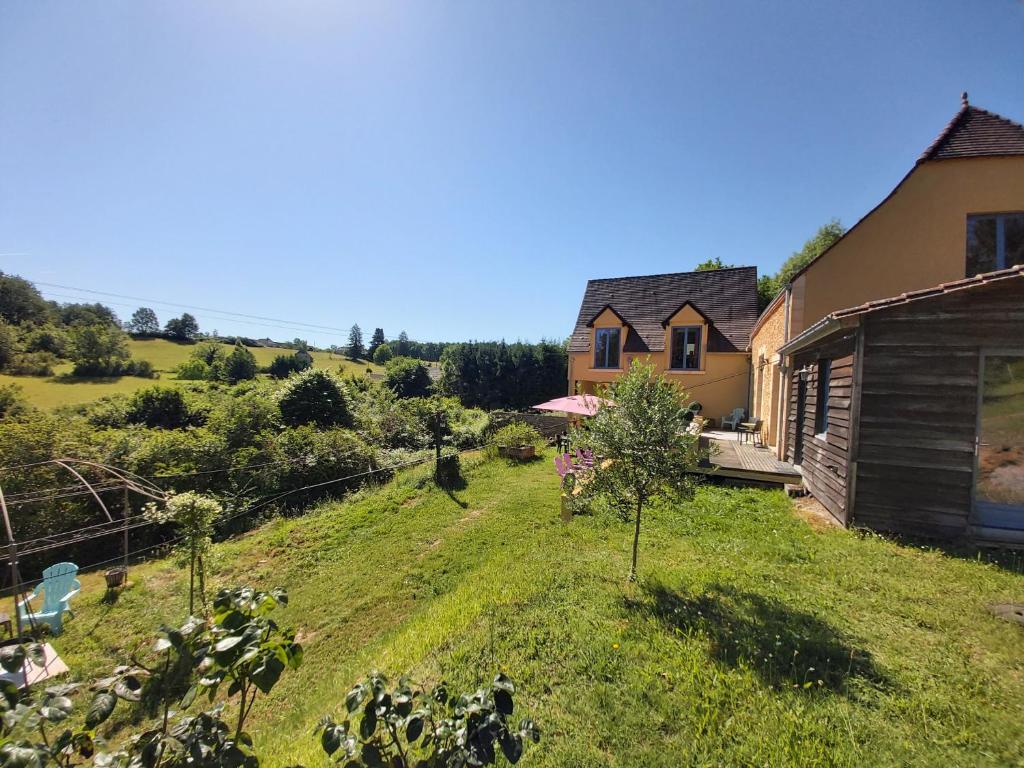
(999, 482)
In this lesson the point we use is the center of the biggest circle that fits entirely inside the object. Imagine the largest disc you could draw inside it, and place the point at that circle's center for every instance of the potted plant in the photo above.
(116, 576)
(517, 441)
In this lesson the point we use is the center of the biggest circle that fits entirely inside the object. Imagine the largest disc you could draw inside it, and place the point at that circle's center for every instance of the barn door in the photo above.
(999, 480)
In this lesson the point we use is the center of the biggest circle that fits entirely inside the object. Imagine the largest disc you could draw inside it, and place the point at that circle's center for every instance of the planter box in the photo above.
(518, 452)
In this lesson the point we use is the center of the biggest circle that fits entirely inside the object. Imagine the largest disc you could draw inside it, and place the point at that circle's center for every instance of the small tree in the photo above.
(159, 408)
(144, 322)
(355, 343)
(314, 397)
(182, 328)
(240, 365)
(375, 341)
(383, 354)
(194, 515)
(401, 347)
(710, 265)
(408, 377)
(98, 350)
(644, 447)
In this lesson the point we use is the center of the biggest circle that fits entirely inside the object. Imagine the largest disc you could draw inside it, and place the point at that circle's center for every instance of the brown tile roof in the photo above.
(975, 132)
(727, 297)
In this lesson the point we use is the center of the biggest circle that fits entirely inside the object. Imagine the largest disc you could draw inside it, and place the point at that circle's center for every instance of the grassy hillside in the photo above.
(165, 356)
(752, 637)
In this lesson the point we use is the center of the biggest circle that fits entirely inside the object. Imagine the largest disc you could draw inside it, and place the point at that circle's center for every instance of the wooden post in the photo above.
(127, 514)
(12, 553)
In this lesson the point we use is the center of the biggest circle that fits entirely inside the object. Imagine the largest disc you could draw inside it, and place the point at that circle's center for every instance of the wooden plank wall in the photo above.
(918, 411)
(825, 463)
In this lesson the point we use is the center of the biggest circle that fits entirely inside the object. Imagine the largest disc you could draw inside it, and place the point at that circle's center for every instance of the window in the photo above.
(994, 241)
(606, 347)
(686, 348)
(821, 406)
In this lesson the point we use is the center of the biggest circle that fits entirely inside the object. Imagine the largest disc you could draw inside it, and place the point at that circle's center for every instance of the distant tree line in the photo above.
(495, 374)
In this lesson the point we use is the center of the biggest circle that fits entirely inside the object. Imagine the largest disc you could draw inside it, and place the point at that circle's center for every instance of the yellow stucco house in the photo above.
(959, 212)
(692, 326)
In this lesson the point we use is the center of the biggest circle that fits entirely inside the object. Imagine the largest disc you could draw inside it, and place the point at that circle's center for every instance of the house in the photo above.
(959, 212)
(908, 412)
(692, 326)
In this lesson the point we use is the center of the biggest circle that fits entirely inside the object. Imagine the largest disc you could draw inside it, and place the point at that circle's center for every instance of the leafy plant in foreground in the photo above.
(402, 727)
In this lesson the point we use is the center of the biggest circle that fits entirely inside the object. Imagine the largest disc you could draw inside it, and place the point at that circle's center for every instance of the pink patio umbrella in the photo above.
(582, 405)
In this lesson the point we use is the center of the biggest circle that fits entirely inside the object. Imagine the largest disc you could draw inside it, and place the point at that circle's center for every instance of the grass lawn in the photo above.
(752, 637)
(62, 389)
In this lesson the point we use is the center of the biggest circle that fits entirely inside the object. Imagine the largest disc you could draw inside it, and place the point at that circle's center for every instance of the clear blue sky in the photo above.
(459, 169)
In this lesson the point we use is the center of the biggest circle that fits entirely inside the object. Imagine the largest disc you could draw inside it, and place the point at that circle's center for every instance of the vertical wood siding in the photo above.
(825, 461)
(918, 417)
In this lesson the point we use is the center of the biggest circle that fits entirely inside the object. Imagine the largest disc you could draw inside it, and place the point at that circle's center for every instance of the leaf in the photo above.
(228, 643)
(511, 746)
(36, 654)
(12, 657)
(503, 701)
(189, 697)
(503, 683)
(368, 724)
(101, 708)
(331, 738)
(414, 728)
(354, 698)
(128, 688)
(162, 644)
(371, 756)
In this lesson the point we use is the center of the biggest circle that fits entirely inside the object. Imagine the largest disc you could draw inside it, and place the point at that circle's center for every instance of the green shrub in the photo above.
(284, 366)
(240, 365)
(140, 368)
(159, 407)
(99, 350)
(32, 364)
(241, 417)
(12, 402)
(314, 397)
(408, 377)
(383, 354)
(194, 369)
(312, 456)
(47, 338)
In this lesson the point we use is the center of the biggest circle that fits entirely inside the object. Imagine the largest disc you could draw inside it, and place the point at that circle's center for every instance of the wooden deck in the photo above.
(744, 461)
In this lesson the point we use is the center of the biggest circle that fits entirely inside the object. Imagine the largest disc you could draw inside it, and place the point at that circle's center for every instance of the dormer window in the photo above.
(686, 348)
(607, 344)
(994, 241)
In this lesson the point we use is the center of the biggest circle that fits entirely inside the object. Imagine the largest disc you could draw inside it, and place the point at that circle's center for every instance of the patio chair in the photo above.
(58, 586)
(733, 419)
(585, 458)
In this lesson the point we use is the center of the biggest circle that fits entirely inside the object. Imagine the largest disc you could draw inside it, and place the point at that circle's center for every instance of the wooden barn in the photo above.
(907, 414)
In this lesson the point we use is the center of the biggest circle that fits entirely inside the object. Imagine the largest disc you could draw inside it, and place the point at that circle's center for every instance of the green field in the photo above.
(165, 356)
(752, 637)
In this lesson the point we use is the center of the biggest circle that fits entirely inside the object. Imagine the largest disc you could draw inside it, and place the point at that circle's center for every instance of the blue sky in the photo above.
(459, 170)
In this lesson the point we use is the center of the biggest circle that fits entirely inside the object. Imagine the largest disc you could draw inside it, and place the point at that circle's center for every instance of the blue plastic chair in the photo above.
(58, 586)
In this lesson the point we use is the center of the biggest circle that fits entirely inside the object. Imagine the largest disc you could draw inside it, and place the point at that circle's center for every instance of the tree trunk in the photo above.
(636, 538)
(191, 583)
(202, 583)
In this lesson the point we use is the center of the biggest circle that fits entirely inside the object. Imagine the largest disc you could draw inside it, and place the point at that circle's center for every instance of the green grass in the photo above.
(713, 658)
(62, 389)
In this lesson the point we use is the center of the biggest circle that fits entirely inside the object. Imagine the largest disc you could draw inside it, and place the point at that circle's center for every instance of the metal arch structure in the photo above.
(129, 482)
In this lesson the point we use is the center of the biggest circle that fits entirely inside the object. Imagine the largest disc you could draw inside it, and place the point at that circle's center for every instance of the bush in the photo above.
(408, 377)
(448, 471)
(160, 408)
(242, 417)
(9, 344)
(193, 369)
(313, 456)
(284, 366)
(32, 364)
(12, 402)
(383, 354)
(141, 368)
(240, 365)
(48, 338)
(314, 397)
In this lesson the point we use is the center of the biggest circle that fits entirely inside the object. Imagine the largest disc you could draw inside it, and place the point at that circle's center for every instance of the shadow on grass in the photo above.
(784, 646)
(1010, 560)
